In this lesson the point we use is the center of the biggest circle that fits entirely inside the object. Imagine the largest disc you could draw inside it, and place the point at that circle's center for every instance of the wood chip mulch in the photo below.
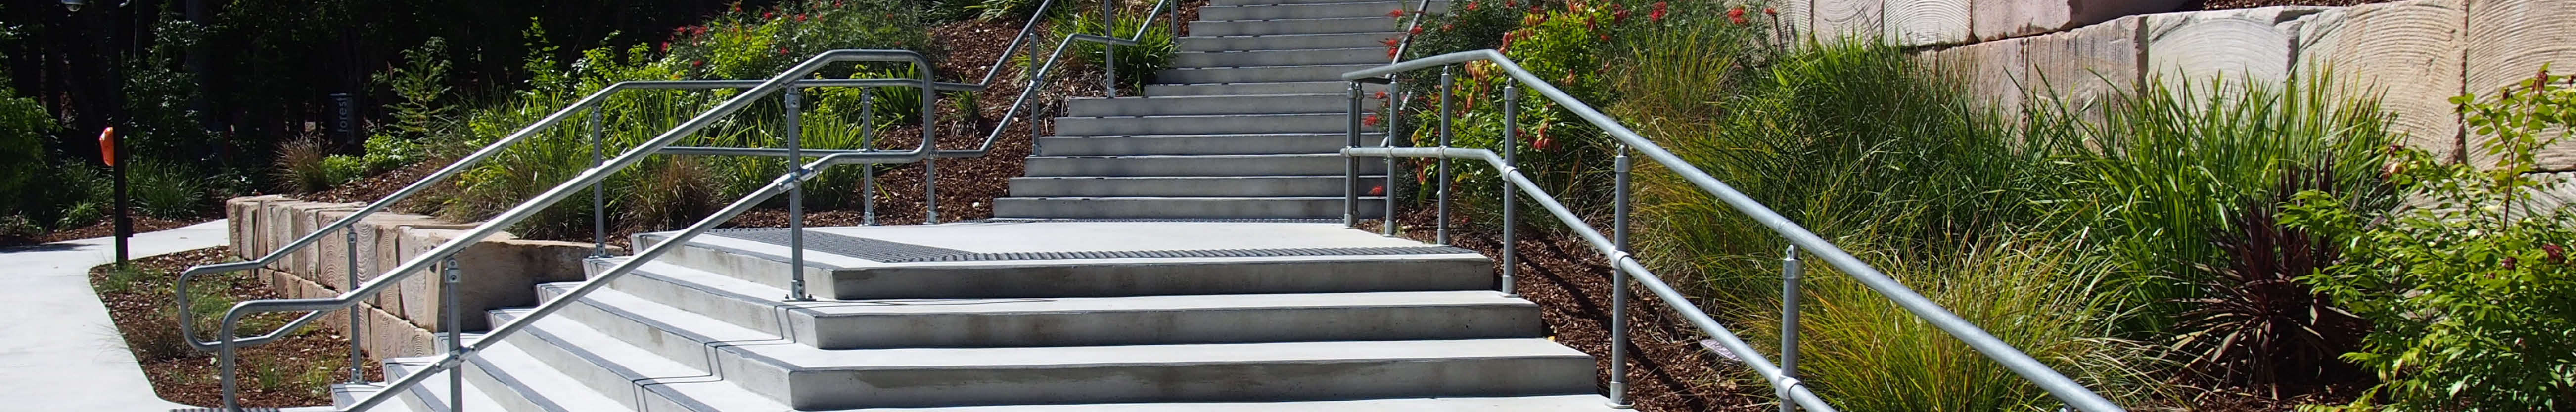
(294, 371)
(1668, 370)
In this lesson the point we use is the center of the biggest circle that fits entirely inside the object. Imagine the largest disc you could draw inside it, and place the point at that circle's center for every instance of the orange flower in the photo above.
(1396, 13)
(1370, 120)
(1379, 190)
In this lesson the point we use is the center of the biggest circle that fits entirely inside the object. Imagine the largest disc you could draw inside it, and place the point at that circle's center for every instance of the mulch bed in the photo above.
(294, 371)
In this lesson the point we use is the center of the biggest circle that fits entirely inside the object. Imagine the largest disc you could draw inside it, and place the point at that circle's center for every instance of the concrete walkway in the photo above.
(58, 350)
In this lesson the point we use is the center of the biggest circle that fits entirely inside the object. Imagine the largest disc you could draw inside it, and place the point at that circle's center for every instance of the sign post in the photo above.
(107, 145)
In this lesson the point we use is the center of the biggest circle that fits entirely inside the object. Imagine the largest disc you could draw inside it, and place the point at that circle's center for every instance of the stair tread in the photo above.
(1448, 404)
(731, 286)
(1366, 176)
(1223, 156)
(545, 382)
(1336, 198)
(1215, 116)
(434, 391)
(810, 358)
(652, 370)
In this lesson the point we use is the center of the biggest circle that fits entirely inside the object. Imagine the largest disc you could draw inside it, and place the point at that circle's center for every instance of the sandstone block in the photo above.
(1992, 72)
(1839, 20)
(2406, 53)
(2508, 41)
(2219, 52)
(2082, 70)
(1925, 22)
(1994, 19)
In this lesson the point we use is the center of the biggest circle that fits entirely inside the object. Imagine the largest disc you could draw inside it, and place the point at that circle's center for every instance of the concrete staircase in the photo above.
(1034, 316)
(1244, 125)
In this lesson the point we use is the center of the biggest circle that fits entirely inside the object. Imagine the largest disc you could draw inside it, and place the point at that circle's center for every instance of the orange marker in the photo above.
(107, 146)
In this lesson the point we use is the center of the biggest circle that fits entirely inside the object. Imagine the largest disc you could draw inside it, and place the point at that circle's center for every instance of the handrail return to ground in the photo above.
(1783, 377)
(790, 81)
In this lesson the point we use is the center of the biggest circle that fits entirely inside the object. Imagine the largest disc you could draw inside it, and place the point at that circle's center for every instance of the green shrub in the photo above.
(304, 166)
(23, 127)
(2468, 293)
(168, 190)
(421, 83)
(1136, 64)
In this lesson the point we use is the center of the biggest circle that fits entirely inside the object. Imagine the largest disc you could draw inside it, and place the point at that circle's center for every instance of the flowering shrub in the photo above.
(2471, 297)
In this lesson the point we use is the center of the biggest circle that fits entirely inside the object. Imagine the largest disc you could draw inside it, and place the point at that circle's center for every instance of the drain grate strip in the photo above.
(897, 252)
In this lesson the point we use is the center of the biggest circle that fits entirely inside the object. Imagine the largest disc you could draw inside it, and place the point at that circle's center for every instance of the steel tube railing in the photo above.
(226, 342)
(2066, 390)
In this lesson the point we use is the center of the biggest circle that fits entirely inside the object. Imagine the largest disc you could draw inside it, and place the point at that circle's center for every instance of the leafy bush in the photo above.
(23, 127)
(169, 190)
(304, 166)
(1136, 64)
(2469, 295)
(421, 82)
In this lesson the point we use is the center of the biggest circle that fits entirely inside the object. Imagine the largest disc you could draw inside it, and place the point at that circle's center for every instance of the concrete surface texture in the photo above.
(60, 350)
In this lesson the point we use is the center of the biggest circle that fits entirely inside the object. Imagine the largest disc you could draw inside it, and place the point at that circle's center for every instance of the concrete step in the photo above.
(665, 386)
(345, 394)
(1205, 43)
(1094, 259)
(1215, 105)
(1303, 11)
(1353, 55)
(1229, 89)
(1204, 124)
(1257, 74)
(524, 384)
(1221, 144)
(805, 377)
(1206, 165)
(1166, 207)
(1370, 24)
(433, 395)
(1136, 320)
(1182, 186)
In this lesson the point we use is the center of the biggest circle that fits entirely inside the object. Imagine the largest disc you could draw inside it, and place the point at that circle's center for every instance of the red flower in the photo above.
(1381, 95)
(1379, 190)
(1396, 13)
(1605, 37)
(782, 51)
(1390, 52)
(1471, 6)
(2508, 263)
(1769, 11)
(1448, 26)
(800, 18)
(1510, 5)
(1620, 16)
(2557, 254)
(1736, 13)
(766, 15)
(1391, 41)
(737, 7)
(1417, 30)
(698, 63)
(1369, 120)
(666, 47)
(1657, 15)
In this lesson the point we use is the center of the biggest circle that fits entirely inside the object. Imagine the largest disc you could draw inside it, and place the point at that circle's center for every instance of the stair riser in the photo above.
(1200, 382)
(1159, 106)
(1212, 145)
(1300, 11)
(1009, 280)
(1285, 42)
(1257, 74)
(1322, 87)
(1146, 208)
(1197, 166)
(1436, 4)
(670, 346)
(1372, 55)
(1131, 126)
(1176, 327)
(1378, 24)
(513, 396)
(1179, 187)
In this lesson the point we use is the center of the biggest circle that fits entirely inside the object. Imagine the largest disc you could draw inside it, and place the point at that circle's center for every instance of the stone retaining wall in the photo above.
(498, 272)
(2416, 54)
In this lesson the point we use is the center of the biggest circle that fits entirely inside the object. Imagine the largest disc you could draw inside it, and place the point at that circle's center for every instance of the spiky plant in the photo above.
(2256, 323)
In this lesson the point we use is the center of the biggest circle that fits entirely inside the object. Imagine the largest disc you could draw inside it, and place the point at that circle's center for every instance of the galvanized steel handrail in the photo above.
(2066, 390)
(226, 343)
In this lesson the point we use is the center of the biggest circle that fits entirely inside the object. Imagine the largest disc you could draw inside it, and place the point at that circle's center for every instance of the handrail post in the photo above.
(1108, 52)
(1351, 165)
(1447, 81)
(930, 143)
(1619, 281)
(1394, 90)
(455, 337)
(1790, 272)
(357, 357)
(598, 193)
(867, 172)
(796, 196)
(1511, 141)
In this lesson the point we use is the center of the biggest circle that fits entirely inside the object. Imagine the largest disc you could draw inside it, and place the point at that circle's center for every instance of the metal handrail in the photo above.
(1782, 377)
(187, 325)
(226, 343)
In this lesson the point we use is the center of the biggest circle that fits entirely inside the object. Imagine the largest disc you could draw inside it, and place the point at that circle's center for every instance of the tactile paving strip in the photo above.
(896, 252)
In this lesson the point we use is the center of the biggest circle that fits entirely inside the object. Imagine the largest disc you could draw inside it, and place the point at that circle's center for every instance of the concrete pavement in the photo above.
(59, 351)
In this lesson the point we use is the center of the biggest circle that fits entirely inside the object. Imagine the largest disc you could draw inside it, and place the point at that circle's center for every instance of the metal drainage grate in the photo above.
(896, 252)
